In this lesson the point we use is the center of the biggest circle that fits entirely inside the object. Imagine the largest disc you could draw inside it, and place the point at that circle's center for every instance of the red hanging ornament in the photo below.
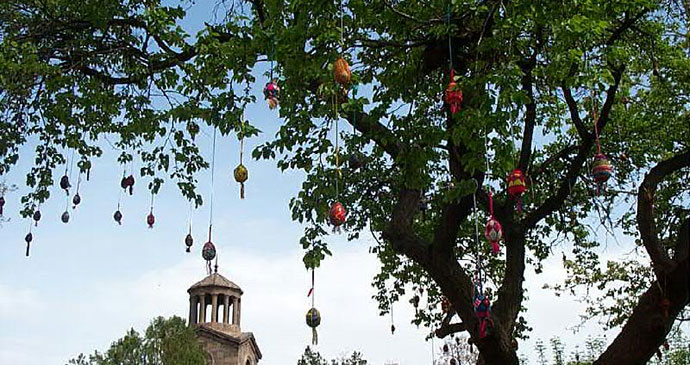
(272, 94)
(337, 214)
(151, 219)
(453, 94)
(493, 231)
(517, 186)
(128, 183)
(208, 252)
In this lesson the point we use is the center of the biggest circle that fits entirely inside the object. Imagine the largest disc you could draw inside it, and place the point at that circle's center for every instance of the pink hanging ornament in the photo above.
(493, 231)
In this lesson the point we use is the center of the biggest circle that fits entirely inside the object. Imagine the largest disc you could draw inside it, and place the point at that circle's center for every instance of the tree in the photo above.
(539, 78)
(558, 350)
(166, 341)
(355, 359)
(311, 357)
(541, 352)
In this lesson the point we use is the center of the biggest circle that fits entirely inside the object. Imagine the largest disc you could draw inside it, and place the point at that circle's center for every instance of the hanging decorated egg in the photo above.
(37, 216)
(76, 200)
(313, 320)
(208, 252)
(516, 183)
(2, 204)
(189, 241)
(123, 183)
(453, 94)
(493, 233)
(65, 217)
(28, 238)
(517, 186)
(337, 214)
(482, 309)
(193, 129)
(341, 71)
(130, 184)
(150, 219)
(241, 175)
(64, 184)
(601, 169)
(271, 94)
(118, 217)
(392, 329)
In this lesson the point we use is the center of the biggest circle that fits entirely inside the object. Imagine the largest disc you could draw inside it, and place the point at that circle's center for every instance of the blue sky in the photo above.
(89, 281)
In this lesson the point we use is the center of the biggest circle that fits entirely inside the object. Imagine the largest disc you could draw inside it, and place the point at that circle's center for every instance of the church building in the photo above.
(214, 311)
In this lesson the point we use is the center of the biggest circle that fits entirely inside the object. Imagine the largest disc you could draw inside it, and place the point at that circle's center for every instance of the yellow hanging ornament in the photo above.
(241, 175)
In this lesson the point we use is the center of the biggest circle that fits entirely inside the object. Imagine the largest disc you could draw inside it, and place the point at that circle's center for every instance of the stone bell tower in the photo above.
(214, 311)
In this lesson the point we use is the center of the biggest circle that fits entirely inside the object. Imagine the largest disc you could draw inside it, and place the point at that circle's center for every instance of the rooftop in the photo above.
(216, 280)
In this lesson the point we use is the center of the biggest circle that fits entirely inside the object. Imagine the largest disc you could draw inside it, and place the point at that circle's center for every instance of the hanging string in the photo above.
(311, 291)
(342, 28)
(476, 240)
(594, 118)
(450, 45)
(210, 217)
(272, 56)
(242, 140)
(191, 216)
(392, 320)
(29, 237)
(433, 350)
(337, 146)
(75, 199)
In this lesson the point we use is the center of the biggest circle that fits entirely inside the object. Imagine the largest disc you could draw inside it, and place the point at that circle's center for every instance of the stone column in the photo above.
(192, 309)
(214, 308)
(226, 309)
(236, 311)
(202, 311)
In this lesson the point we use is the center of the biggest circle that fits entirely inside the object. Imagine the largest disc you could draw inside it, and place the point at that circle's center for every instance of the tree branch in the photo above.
(376, 132)
(645, 210)
(555, 201)
(530, 114)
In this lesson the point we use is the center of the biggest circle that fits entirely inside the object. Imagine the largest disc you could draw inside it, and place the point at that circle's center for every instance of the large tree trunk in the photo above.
(653, 317)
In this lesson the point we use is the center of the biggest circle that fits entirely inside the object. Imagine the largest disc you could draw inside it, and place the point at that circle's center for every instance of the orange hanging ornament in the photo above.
(341, 71)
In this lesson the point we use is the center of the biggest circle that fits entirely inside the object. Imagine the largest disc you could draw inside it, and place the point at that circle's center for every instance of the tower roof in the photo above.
(215, 280)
